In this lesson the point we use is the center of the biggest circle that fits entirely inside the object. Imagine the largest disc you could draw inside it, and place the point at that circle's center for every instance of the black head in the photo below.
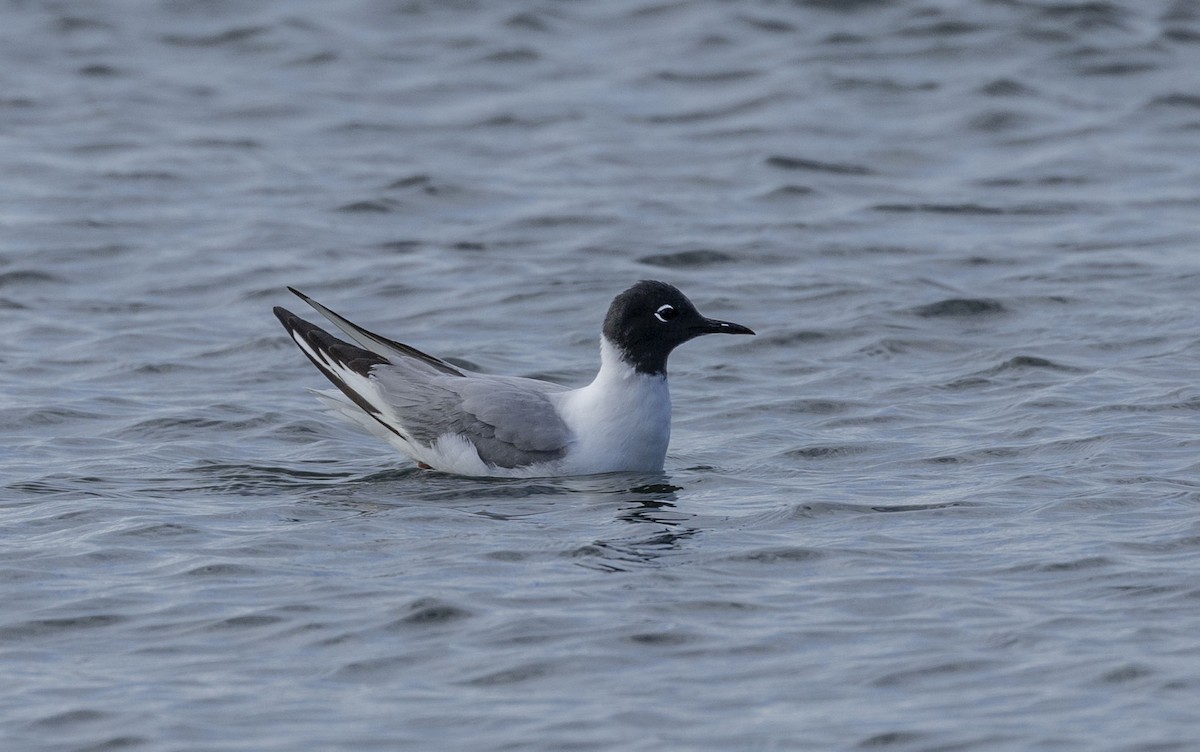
(650, 319)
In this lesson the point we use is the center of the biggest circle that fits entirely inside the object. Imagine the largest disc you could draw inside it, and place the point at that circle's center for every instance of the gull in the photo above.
(462, 422)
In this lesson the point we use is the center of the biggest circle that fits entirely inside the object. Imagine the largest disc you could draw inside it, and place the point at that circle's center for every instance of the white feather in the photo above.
(622, 420)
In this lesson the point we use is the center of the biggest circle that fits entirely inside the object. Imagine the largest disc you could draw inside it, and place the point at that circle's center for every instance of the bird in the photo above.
(450, 419)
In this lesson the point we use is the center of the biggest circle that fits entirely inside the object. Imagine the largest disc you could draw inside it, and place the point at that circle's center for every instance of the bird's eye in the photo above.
(665, 313)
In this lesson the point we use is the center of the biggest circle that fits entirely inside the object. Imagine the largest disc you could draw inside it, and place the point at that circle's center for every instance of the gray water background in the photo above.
(948, 499)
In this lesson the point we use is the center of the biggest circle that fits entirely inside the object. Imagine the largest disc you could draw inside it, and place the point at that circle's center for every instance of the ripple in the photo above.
(789, 191)
(813, 165)
(778, 555)
(1188, 101)
(946, 28)
(1118, 69)
(223, 569)
(99, 70)
(887, 85)
(996, 121)
(143, 175)
(708, 77)
(357, 671)
(950, 673)
(515, 55)
(39, 628)
(1031, 362)
(430, 612)
(515, 675)
(960, 307)
(75, 24)
(1040, 209)
(160, 530)
(270, 480)
(49, 416)
(28, 277)
(225, 143)
(800, 337)
(76, 717)
(1186, 36)
(813, 406)
(411, 181)
(772, 25)
(370, 206)
(708, 113)
(530, 21)
(661, 639)
(934, 507)
(317, 58)
(1093, 15)
(1130, 672)
(890, 739)
(697, 258)
(231, 36)
(124, 741)
(1005, 87)
(245, 621)
(1086, 563)
(829, 452)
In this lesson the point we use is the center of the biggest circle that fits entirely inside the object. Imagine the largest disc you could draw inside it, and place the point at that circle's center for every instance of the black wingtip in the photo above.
(298, 294)
(322, 342)
(283, 314)
(319, 345)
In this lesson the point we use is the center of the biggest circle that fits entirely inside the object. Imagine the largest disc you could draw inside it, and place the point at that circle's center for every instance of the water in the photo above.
(949, 498)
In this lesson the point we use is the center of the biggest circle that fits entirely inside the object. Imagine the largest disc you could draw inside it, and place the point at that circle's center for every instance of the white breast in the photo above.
(621, 421)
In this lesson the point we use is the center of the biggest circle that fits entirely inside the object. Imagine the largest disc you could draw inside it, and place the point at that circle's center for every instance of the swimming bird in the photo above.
(467, 423)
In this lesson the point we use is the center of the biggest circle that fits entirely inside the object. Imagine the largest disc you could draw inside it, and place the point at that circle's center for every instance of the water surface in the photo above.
(949, 498)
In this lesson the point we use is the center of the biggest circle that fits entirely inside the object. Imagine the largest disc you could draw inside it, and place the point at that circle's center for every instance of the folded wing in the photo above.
(511, 422)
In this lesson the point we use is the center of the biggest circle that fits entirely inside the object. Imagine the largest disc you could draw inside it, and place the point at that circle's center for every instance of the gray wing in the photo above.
(511, 421)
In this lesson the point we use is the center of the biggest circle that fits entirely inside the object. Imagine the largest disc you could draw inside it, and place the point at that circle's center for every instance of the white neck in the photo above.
(622, 420)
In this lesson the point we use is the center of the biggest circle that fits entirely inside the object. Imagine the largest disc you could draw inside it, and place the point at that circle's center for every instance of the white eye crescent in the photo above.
(665, 313)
